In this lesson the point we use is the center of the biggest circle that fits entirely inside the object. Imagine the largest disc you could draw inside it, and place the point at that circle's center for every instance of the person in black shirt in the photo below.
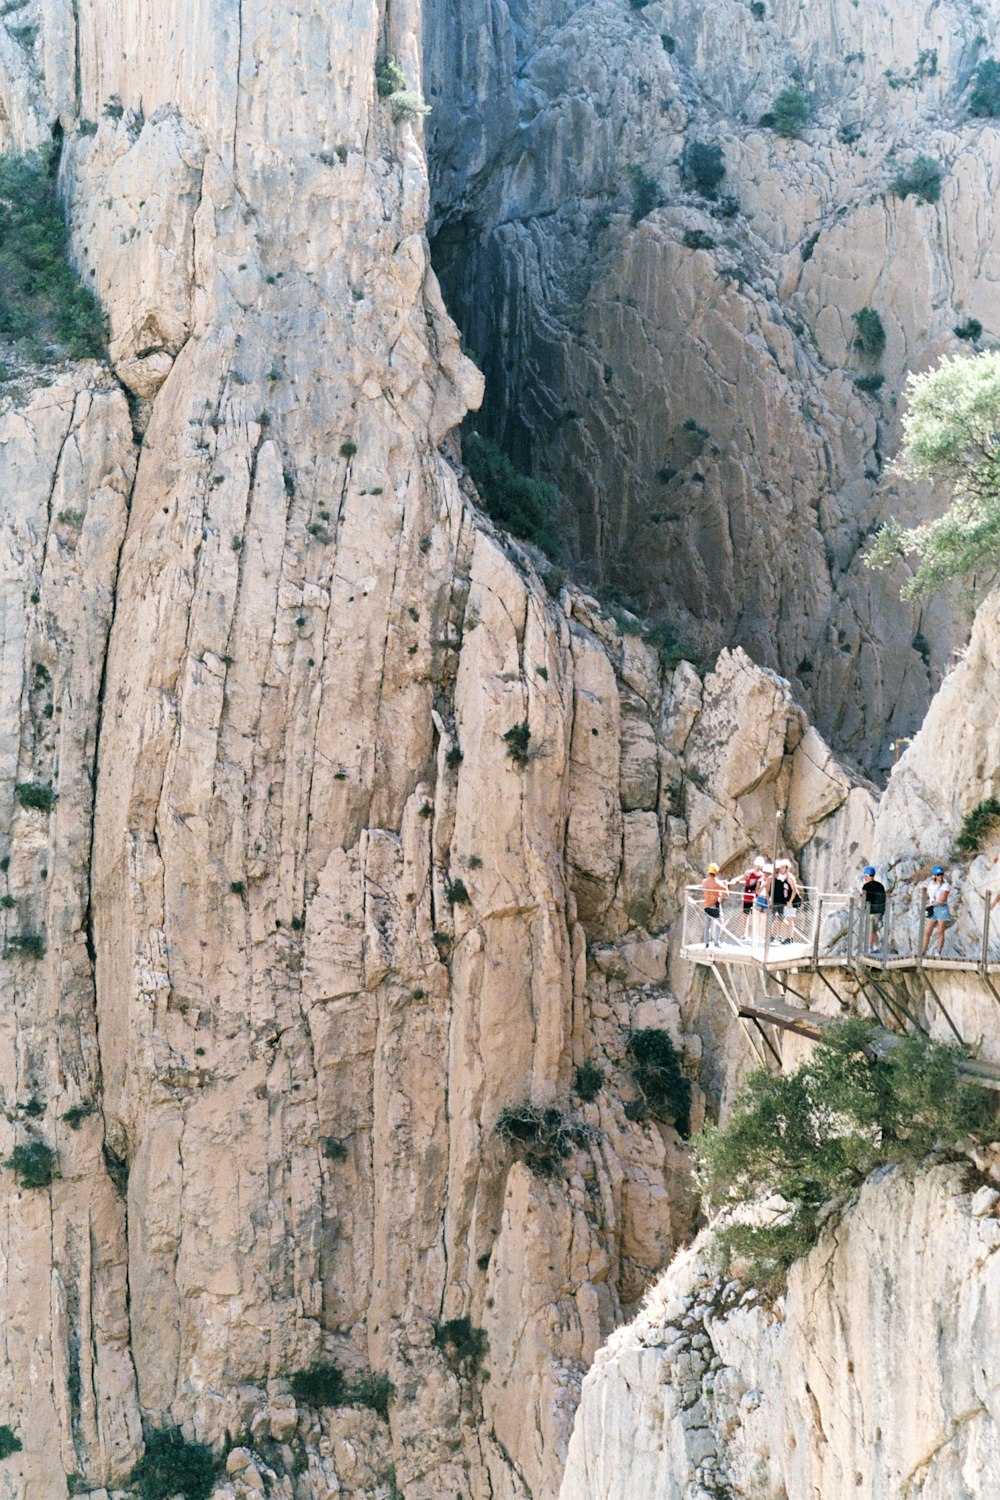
(874, 893)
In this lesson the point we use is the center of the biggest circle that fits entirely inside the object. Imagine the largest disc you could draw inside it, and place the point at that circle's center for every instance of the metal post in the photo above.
(770, 895)
(984, 956)
(850, 932)
(817, 920)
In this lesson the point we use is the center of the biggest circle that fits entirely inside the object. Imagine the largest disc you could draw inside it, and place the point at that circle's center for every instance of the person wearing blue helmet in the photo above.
(936, 911)
(873, 892)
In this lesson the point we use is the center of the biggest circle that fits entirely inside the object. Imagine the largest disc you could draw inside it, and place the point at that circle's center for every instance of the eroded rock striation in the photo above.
(679, 352)
(330, 833)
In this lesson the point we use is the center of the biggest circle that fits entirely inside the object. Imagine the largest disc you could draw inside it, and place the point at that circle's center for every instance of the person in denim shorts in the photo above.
(936, 910)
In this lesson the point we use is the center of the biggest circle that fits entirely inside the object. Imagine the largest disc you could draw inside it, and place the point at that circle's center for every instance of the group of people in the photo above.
(774, 890)
(765, 889)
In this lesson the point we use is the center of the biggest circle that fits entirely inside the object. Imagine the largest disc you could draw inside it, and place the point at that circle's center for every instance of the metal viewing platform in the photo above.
(828, 930)
(750, 951)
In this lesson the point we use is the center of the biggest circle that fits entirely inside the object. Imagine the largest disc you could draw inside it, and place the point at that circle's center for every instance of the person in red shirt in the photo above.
(752, 881)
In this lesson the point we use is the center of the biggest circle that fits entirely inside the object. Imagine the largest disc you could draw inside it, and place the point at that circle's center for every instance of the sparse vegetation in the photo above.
(541, 1136)
(77, 1113)
(869, 384)
(408, 105)
(589, 1078)
(921, 179)
(374, 1391)
(33, 1164)
(42, 303)
(453, 757)
(703, 167)
(529, 508)
(517, 740)
(665, 1092)
(984, 101)
(25, 944)
(333, 1148)
(869, 337)
(348, 449)
(812, 1136)
(970, 330)
(977, 825)
(326, 1385)
(320, 1385)
(463, 1345)
(33, 795)
(10, 1443)
(646, 193)
(697, 239)
(456, 892)
(172, 1466)
(788, 114)
(389, 78)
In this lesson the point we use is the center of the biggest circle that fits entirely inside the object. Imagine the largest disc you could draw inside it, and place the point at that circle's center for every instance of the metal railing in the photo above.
(818, 927)
(832, 927)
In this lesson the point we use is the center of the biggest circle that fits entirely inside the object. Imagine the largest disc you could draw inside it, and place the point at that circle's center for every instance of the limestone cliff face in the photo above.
(297, 919)
(698, 406)
(875, 1375)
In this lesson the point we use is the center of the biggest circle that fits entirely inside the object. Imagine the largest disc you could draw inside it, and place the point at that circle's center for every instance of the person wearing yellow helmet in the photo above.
(714, 891)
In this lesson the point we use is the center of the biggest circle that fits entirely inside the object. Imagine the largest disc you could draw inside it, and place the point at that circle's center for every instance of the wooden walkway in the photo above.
(811, 1024)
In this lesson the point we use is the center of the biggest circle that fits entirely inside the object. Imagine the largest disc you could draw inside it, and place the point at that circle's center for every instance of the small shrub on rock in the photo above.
(33, 1164)
(788, 114)
(984, 101)
(589, 1078)
(970, 330)
(703, 167)
(321, 1385)
(408, 105)
(172, 1466)
(869, 384)
(457, 892)
(666, 1093)
(25, 945)
(977, 825)
(541, 1136)
(10, 1443)
(389, 78)
(33, 795)
(528, 508)
(697, 239)
(464, 1347)
(869, 337)
(374, 1391)
(517, 739)
(921, 179)
(646, 193)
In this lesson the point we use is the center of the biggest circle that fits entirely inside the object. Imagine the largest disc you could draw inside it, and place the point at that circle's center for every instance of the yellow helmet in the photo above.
(713, 869)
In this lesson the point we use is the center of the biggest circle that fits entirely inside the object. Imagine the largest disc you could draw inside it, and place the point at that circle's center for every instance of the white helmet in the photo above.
(760, 862)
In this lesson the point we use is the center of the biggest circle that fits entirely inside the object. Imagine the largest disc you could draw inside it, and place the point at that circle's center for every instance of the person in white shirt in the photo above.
(936, 893)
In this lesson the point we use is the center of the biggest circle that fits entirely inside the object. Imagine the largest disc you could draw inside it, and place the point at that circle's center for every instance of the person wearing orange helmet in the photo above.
(714, 891)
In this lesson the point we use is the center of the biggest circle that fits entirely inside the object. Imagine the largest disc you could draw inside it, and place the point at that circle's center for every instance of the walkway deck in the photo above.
(812, 1024)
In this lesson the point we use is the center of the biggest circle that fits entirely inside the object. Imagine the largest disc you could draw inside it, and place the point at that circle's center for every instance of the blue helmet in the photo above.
(869, 869)
(937, 870)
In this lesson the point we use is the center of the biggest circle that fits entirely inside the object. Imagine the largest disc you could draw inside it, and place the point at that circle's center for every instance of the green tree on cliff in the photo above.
(951, 434)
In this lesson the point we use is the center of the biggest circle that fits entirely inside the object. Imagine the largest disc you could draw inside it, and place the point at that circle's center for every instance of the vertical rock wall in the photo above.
(698, 406)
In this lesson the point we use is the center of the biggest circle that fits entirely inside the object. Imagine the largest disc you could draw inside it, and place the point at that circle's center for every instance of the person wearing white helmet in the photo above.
(751, 884)
(873, 892)
(783, 888)
(937, 911)
(714, 891)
